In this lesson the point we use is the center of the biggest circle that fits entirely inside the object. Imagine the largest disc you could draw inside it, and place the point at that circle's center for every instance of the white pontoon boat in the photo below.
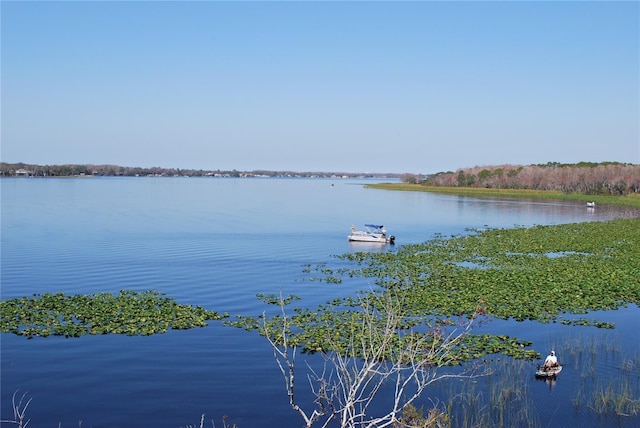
(372, 233)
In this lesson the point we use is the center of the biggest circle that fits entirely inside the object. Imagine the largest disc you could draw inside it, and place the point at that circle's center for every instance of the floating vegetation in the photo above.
(446, 282)
(518, 280)
(588, 323)
(130, 312)
(337, 325)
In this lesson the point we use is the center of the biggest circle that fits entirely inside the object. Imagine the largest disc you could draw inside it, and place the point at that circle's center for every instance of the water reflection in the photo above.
(537, 211)
(369, 247)
(550, 381)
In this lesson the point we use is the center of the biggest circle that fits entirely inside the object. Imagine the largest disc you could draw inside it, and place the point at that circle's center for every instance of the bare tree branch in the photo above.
(19, 411)
(379, 351)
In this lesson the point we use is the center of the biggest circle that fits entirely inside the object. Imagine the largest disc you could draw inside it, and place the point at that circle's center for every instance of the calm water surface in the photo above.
(217, 243)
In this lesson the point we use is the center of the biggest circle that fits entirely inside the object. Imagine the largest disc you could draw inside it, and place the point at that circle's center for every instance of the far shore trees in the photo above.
(606, 178)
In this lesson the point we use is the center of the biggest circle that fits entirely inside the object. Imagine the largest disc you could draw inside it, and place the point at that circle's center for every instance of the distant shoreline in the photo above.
(20, 169)
(631, 200)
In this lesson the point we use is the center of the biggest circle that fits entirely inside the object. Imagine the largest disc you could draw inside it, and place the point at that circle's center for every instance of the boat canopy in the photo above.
(375, 226)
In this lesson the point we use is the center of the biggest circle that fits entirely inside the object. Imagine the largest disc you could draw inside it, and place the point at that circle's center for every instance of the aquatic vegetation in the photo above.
(335, 326)
(615, 394)
(588, 322)
(495, 273)
(130, 312)
(506, 398)
(418, 417)
(377, 350)
(509, 272)
(616, 397)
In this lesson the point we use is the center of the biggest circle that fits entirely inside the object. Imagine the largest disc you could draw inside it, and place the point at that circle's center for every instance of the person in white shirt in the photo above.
(550, 361)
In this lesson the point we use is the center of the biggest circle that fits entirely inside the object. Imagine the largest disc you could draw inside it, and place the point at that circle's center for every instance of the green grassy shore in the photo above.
(631, 200)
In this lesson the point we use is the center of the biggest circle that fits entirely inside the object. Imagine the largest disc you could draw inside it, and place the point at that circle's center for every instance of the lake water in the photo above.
(217, 242)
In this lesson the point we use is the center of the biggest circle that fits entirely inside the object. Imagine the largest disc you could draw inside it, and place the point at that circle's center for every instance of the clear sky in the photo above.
(416, 87)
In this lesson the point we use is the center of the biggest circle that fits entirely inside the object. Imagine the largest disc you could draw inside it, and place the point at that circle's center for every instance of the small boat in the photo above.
(548, 372)
(372, 233)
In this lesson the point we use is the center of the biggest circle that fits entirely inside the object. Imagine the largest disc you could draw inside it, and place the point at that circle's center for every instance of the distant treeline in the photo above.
(75, 170)
(605, 178)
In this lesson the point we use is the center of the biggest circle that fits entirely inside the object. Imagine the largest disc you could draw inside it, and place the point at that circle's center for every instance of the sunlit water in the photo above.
(217, 243)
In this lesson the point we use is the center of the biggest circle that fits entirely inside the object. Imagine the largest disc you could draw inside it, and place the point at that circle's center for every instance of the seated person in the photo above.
(551, 361)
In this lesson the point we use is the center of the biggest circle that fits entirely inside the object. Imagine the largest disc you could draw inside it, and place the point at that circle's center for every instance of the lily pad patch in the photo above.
(131, 313)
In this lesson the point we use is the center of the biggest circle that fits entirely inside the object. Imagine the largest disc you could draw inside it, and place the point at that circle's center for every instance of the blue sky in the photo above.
(415, 87)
